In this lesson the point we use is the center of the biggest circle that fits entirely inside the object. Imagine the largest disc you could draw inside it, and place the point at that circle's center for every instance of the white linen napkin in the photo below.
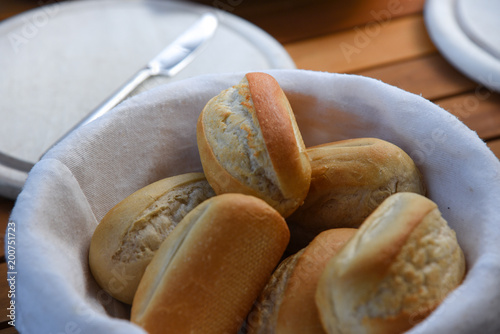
(153, 135)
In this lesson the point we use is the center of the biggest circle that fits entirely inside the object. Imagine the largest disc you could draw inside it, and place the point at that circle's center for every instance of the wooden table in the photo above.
(382, 39)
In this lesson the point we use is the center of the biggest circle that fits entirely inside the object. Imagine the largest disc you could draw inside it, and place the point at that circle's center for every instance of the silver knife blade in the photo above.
(182, 51)
(170, 61)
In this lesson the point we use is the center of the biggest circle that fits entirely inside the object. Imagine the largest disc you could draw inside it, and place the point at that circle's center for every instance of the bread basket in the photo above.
(152, 136)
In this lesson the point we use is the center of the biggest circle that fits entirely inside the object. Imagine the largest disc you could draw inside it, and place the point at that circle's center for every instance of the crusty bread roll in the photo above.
(249, 143)
(126, 239)
(399, 266)
(287, 305)
(350, 178)
(208, 272)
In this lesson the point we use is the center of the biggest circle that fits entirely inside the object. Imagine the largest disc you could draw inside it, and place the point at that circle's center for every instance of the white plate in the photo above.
(61, 60)
(467, 33)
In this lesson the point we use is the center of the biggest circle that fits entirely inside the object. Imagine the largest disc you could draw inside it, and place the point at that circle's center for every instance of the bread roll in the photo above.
(398, 267)
(249, 143)
(208, 272)
(126, 239)
(287, 304)
(350, 178)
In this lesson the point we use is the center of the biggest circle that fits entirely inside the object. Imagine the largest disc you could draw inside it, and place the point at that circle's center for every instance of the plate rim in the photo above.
(12, 179)
(456, 46)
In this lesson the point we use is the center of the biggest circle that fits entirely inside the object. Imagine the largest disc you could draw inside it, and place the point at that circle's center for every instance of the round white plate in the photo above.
(467, 33)
(62, 60)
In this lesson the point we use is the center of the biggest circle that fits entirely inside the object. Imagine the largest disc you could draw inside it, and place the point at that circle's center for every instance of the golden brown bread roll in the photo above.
(399, 266)
(130, 233)
(287, 305)
(208, 272)
(249, 143)
(350, 178)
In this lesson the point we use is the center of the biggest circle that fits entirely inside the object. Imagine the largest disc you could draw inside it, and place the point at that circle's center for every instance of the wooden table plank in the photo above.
(10, 8)
(360, 49)
(293, 20)
(4, 289)
(286, 20)
(479, 110)
(494, 145)
(414, 76)
(8, 330)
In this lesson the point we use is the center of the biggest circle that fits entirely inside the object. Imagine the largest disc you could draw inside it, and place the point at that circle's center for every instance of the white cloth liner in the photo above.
(152, 136)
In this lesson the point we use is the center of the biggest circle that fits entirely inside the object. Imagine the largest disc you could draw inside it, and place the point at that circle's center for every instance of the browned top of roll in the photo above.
(209, 271)
(398, 267)
(350, 178)
(130, 233)
(287, 304)
(281, 135)
(249, 143)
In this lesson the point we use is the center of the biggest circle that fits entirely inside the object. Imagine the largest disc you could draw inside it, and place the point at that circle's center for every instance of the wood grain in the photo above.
(293, 20)
(414, 76)
(10, 8)
(285, 20)
(364, 47)
(8, 329)
(4, 298)
(479, 110)
(494, 146)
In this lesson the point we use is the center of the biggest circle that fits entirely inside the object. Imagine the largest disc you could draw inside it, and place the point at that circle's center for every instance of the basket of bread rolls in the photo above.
(284, 201)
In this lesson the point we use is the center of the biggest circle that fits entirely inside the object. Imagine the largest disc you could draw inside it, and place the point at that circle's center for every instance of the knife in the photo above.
(170, 61)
